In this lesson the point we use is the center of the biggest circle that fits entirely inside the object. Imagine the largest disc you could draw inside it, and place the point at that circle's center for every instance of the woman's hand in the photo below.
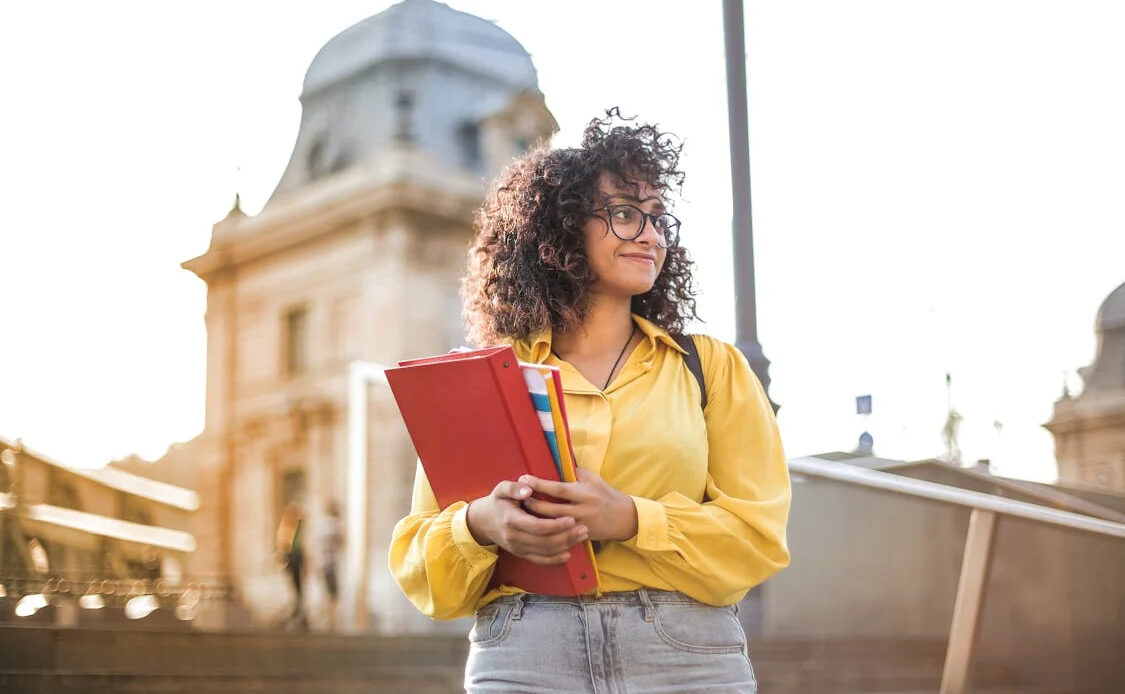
(498, 519)
(591, 502)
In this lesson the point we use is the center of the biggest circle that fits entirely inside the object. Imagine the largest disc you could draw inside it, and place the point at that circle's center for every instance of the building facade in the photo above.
(357, 256)
(1089, 429)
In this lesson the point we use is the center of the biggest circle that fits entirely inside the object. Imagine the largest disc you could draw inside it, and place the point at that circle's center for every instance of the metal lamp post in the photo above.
(746, 318)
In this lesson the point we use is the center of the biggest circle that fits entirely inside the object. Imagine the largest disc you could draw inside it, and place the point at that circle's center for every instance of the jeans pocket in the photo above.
(491, 625)
(699, 628)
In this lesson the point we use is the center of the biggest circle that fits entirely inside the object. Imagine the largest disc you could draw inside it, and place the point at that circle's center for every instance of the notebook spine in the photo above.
(537, 456)
(521, 413)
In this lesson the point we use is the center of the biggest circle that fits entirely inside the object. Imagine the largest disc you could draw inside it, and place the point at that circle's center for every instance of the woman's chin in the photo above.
(636, 289)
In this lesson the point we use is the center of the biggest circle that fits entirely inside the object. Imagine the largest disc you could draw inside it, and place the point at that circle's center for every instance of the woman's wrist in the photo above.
(627, 519)
(473, 521)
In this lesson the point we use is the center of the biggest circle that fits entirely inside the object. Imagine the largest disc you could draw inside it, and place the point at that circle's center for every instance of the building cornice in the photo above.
(398, 179)
(1088, 413)
(119, 480)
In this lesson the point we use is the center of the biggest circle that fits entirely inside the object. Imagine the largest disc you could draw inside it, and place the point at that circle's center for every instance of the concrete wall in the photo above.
(874, 564)
(857, 552)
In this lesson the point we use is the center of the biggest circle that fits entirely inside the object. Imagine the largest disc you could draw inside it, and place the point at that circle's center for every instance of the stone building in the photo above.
(356, 256)
(1089, 429)
(95, 539)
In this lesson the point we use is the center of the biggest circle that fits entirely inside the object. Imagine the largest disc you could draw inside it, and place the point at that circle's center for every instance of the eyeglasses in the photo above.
(627, 222)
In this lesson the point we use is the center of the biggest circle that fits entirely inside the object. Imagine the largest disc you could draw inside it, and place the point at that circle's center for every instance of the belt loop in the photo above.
(517, 609)
(646, 601)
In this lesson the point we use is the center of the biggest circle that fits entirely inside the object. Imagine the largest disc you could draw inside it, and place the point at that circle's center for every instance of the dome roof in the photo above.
(1111, 315)
(421, 30)
(419, 75)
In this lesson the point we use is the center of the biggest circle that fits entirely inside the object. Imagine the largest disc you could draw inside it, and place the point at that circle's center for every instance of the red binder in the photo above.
(473, 424)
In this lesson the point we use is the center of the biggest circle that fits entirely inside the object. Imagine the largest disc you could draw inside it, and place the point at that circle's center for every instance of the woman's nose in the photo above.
(650, 234)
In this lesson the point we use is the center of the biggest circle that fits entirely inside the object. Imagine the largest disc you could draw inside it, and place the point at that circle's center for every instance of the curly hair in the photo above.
(528, 268)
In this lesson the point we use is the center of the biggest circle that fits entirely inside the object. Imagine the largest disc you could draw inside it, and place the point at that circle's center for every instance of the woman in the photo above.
(577, 263)
(290, 543)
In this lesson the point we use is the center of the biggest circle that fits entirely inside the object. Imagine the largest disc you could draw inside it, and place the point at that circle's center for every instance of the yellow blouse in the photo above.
(711, 487)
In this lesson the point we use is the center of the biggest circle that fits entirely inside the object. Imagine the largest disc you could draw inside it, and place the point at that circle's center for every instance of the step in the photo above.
(51, 660)
(86, 683)
(34, 649)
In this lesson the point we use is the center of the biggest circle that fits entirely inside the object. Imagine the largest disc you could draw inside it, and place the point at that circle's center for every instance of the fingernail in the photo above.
(524, 491)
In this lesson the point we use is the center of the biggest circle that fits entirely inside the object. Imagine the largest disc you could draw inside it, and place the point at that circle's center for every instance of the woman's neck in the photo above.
(608, 324)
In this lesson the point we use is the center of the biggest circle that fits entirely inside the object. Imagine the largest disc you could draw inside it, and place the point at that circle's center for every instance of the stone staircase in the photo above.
(39, 660)
(865, 665)
(796, 666)
(48, 660)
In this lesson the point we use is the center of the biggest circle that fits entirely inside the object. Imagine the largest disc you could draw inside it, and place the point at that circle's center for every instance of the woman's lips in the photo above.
(639, 258)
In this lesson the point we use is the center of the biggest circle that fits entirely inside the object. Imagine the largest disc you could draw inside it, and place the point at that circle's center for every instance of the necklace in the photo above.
(616, 361)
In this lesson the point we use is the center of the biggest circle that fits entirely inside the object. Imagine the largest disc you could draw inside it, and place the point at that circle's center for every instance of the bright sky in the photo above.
(937, 187)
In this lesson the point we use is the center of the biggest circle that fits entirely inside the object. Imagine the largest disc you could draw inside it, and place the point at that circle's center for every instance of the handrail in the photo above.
(1054, 498)
(885, 481)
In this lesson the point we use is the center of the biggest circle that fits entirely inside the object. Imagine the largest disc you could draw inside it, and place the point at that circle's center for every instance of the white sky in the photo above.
(937, 186)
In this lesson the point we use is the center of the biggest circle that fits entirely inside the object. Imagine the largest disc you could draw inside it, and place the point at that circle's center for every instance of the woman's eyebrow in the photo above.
(633, 198)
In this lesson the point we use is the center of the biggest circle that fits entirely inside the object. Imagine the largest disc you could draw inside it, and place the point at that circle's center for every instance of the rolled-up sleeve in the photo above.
(434, 559)
(717, 549)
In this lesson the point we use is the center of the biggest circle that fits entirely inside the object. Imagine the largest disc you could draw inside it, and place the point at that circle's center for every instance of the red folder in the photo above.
(473, 424)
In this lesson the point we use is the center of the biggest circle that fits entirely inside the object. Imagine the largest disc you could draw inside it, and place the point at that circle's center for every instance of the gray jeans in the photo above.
(637, 642)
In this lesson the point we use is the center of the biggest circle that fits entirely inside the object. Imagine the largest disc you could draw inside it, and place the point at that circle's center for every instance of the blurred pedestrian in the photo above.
(291, 552)
(329, 545)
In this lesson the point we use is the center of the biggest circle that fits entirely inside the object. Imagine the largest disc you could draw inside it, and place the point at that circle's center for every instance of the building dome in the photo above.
(1107, 372)
(1111, 315)
(422, 30)
(420, 73)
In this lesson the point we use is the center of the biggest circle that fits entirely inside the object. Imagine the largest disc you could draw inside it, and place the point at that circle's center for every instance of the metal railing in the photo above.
(137, 595)
(978, 543)
(842, 472)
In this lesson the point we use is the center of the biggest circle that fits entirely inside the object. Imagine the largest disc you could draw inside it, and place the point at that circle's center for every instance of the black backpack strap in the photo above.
(695, 366)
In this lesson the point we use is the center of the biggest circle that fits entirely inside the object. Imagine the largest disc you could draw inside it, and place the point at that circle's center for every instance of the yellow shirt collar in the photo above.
(538, 346)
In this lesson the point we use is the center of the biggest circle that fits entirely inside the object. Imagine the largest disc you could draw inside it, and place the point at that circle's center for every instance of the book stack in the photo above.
(480, 417)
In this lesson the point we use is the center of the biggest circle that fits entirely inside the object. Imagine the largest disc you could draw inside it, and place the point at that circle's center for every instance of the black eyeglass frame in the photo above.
(645, 217)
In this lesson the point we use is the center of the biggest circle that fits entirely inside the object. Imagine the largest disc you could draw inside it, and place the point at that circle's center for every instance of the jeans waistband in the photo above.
(641, 596)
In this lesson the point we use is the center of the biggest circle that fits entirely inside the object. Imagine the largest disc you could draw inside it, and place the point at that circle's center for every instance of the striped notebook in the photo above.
(540, 384)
